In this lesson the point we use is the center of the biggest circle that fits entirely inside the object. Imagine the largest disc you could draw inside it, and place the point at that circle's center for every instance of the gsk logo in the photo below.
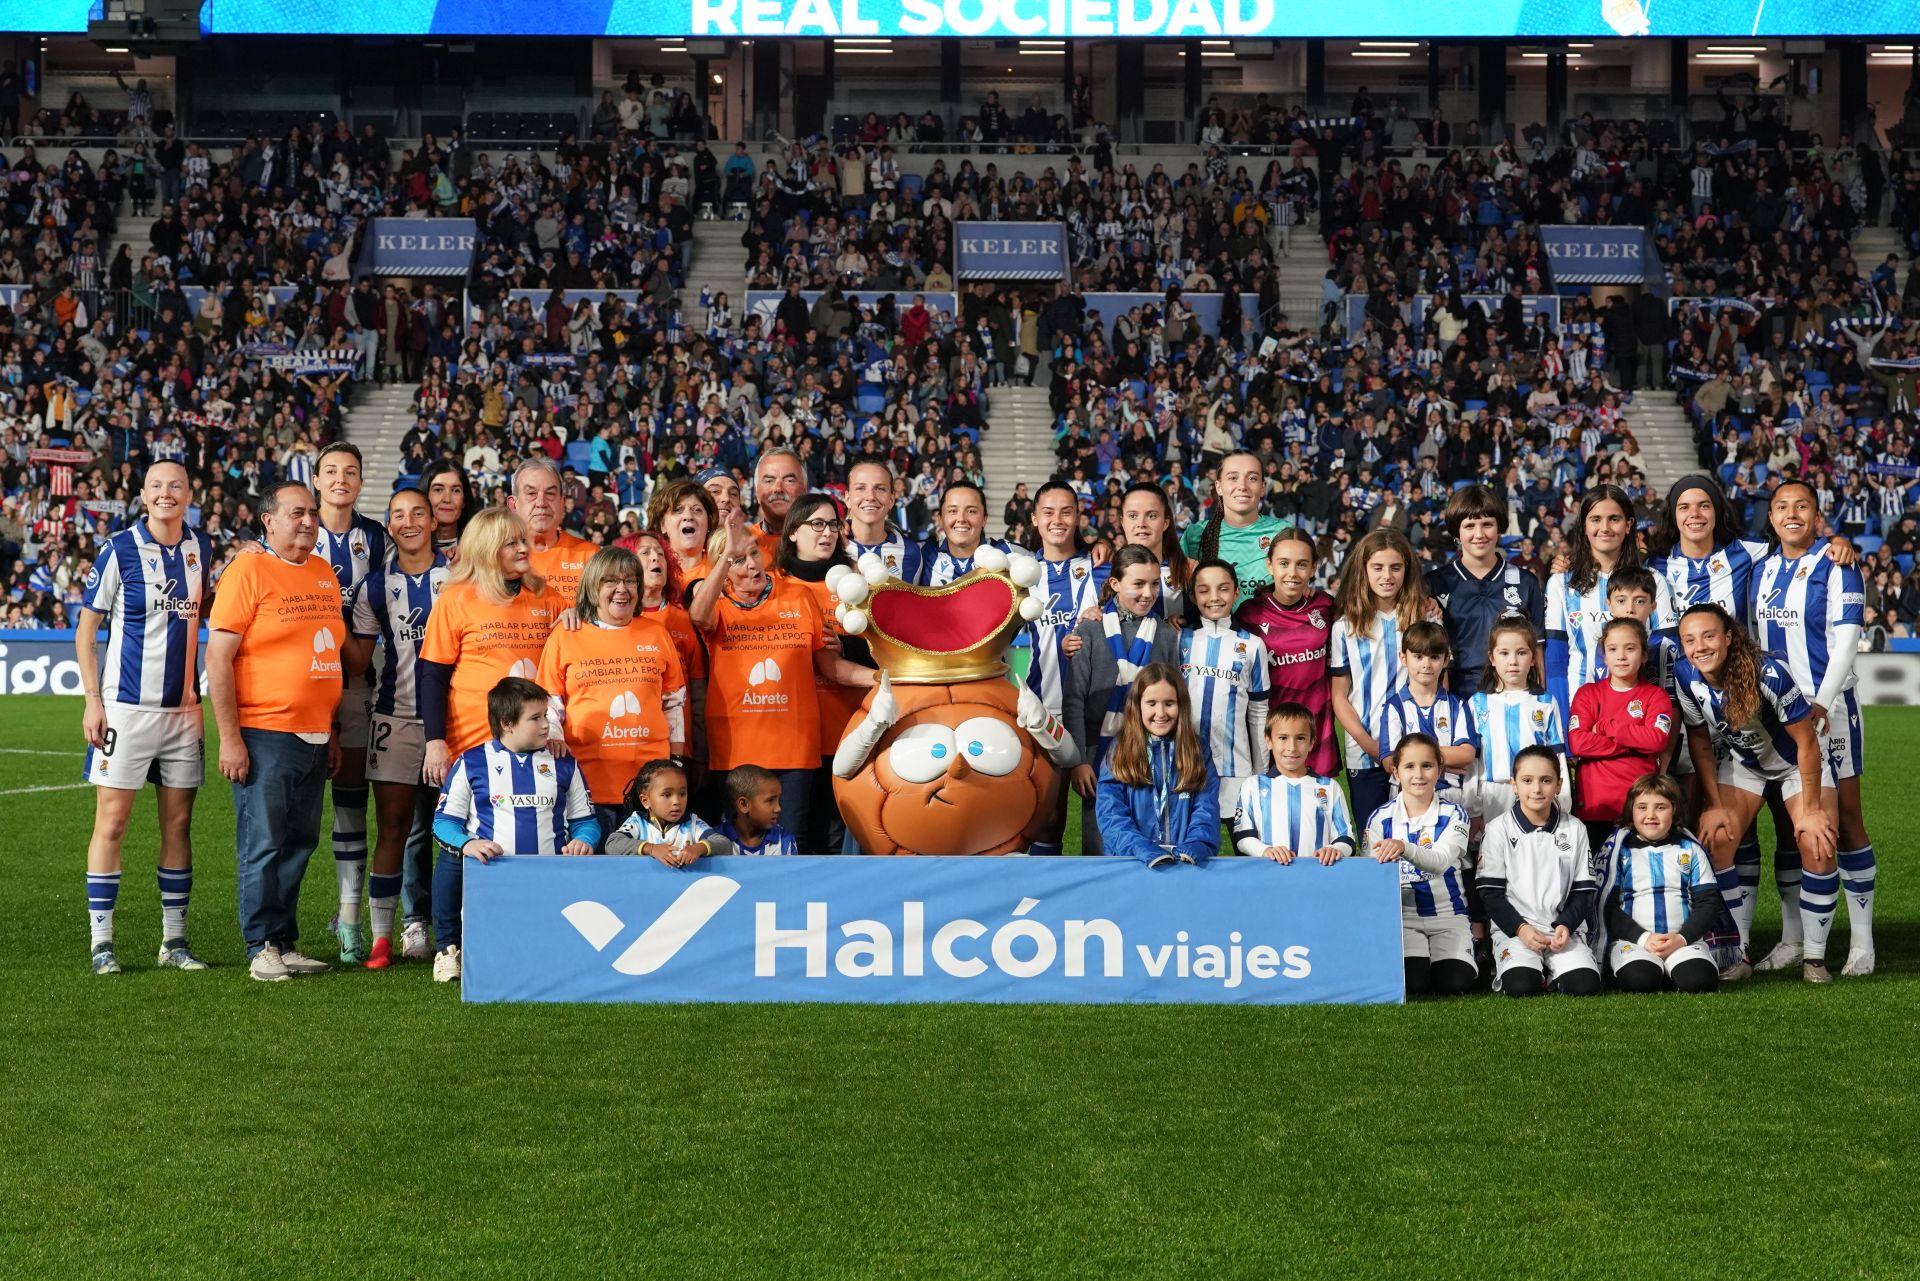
(661, 941)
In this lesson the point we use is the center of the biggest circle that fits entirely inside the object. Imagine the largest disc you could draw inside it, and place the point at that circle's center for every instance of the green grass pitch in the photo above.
(362, 1124)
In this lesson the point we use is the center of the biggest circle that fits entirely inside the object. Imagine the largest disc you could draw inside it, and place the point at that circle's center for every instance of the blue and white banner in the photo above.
(1602, 256)
(419, 247)
(1010, 251)
(764, 302)
(1240, 931)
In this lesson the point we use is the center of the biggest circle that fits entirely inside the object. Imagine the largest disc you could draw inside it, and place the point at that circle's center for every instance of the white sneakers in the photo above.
(1859, 964)
(273, 964)
(413, 941)
(446, 966)
(267, 967)
(1785, 956)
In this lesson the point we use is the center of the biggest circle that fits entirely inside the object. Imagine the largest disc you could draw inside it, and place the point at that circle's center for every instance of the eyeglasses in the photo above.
(820, 525)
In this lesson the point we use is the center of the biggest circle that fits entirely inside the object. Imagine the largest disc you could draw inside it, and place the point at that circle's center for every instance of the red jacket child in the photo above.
(1615, 736)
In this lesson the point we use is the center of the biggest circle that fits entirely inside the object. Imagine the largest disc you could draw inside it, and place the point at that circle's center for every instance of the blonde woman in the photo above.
(492, 621)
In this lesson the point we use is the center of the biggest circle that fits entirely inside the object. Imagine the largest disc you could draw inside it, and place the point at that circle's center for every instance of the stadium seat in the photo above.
(1868, 543)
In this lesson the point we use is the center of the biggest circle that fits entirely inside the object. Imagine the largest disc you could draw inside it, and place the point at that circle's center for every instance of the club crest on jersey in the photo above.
(1079, 571)
(1440, 720)
(545, 770)
(1717, 565)
(1573, 722)
(1266, 541)
(1513, 596)
(1636, 709)
(1539, 716)
(359, 544)
(1317, 619)
(193, 561)
(1685, 862)
(1319, 793)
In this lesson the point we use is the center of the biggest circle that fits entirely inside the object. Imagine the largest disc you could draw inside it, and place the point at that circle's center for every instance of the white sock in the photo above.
(176, 884)
(353, 877)
(1746, 866)
(1817, 908)
(103, 891)
(1857, 871)
(1727, 880)
(383, 897)
(1786, 876)
(350, 848)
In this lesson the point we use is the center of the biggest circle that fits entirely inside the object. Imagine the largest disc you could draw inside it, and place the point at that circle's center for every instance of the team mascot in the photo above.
(947, 756)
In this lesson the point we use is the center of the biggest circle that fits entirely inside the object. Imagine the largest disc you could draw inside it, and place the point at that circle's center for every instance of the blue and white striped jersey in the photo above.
(353, 554)
(1299, 814)
(942, 566)
(1722, 578)
(1445, 719)
(1578, 618)
(904, 557)
(1504, 723)
(151, 595)
(392, 606)
(530, 802)
(1070, 586)
(1797, 602)
(1762, 744)
(1656, 880)
(1226, 670)
(1371, 664)
(776, 840)
(645, 830)
(1440, 834)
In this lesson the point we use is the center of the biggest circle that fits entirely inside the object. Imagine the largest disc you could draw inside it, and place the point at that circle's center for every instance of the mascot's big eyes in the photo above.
(922, 753)
(990, 746)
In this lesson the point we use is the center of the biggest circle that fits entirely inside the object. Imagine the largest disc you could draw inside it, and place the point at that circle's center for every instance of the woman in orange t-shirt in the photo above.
(661, 597)
(765, 642)
(618, 693)
(812, 541)
(684, 513)
(491, 621)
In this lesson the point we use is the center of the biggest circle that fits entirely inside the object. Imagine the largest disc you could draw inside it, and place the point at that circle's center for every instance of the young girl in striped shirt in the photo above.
(1511, 713)
(1661, 897)
(1427, 837)
(1380, 598)
(1294, 813)
(1226, 672)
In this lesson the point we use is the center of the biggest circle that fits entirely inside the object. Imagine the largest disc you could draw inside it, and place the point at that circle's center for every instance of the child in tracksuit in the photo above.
(1537, 880)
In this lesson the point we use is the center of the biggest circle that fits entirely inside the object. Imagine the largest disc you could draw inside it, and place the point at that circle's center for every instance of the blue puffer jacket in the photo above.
(1132, 826)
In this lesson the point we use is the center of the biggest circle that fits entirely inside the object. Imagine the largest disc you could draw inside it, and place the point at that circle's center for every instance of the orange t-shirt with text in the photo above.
(287, 673)
(562, 564)
(838, 702)
(686, 639)
(615, 681)
(484, 643)
(761, 705)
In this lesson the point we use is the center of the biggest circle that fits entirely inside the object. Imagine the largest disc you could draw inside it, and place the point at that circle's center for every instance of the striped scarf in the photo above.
(1129, 658)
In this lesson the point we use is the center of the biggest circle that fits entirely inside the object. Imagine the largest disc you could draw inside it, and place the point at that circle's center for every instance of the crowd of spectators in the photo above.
(1792, 357)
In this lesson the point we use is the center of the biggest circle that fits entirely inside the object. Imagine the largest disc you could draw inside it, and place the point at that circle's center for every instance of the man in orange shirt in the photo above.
(274, 678)
(778, 479)
(558, 556)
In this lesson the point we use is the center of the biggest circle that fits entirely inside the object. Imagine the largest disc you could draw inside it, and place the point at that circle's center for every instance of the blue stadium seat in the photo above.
(911, 184)
(579, 456)
(870, 399)
(1868, 543)
(1905, 561)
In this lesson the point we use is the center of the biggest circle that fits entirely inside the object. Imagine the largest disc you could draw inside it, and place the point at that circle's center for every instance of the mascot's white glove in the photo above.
(1046, 729)
(863, 736)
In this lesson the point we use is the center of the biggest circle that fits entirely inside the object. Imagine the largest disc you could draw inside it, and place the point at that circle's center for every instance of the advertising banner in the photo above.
(419, 247)
(1012, 19)
(1011, 251)
(1601, 256)
(1239, 931)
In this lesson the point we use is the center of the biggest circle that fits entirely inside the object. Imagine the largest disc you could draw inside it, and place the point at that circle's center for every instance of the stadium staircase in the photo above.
(1665, 436)
(718, 265)
(1301, 272)
(375, 421)
(1017, 449)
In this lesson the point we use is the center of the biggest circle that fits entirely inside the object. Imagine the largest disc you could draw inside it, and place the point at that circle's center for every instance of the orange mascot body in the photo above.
(947, 755)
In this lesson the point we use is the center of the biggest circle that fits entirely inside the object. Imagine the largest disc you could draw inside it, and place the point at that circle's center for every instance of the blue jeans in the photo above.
(276, 827)
(796, 796)
(416, 890)
(447, 898)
